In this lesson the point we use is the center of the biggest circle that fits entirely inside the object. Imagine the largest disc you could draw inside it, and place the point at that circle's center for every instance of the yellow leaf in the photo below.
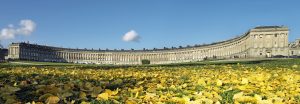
(130, 102)
(280, 93)
(295, 66)
(83, 102)
(244, 81)
(136, 94)
(201, 82)
(238, 95)
(219, 83)
(115, 92)
(52, 100)
(103, 96)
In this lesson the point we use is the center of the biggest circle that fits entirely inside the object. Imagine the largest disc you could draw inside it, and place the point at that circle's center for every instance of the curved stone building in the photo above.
(259, 42)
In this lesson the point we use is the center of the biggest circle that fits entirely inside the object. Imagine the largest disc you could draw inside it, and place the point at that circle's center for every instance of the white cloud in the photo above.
(26, 27)
(131, 36)
(7, 33)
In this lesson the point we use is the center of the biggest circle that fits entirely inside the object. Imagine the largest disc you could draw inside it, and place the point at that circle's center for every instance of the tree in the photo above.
(1, 46)
(145, 61)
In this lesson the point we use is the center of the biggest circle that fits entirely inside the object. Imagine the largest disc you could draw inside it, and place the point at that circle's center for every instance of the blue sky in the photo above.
(102, 23)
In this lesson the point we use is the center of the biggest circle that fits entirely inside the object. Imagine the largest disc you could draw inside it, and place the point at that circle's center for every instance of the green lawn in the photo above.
(249, 62)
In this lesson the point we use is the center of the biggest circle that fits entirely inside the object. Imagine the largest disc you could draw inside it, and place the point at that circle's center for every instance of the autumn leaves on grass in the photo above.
(184, 85)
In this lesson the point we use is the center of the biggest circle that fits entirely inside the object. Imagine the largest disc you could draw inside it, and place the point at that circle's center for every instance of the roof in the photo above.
(265, 27)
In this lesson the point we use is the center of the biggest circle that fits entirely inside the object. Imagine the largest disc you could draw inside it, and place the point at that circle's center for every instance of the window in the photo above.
(260, 53)
(275, 35)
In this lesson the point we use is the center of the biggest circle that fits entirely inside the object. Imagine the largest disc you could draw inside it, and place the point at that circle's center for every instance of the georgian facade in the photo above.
(259, 42)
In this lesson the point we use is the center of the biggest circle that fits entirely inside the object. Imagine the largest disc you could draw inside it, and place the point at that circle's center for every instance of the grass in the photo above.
(227, 96)
(253, 63)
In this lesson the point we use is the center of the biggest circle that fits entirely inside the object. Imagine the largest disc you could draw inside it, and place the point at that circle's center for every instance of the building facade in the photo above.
(295, 48)
(259, 42)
